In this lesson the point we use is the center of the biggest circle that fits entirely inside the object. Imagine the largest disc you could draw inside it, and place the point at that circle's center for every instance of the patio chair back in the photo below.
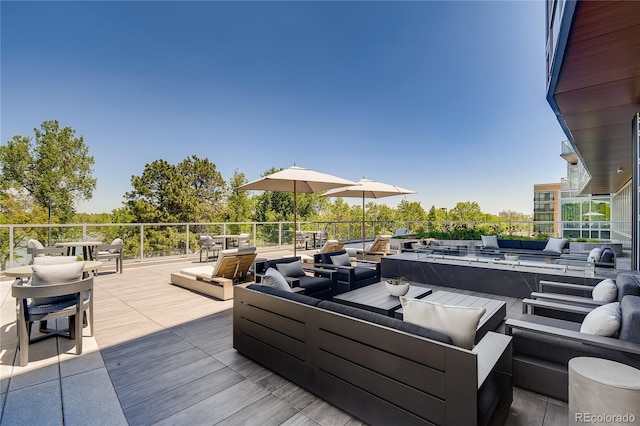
(331, 245)
(235, 263)
(379, 245)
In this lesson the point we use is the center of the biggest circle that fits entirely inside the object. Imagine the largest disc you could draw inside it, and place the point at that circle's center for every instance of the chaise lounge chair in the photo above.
(328, 247)
(217, 281)
(374, 251)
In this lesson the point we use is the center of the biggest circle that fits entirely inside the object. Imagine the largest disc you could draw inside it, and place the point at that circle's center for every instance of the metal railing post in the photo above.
(141, 243)
(186, 246)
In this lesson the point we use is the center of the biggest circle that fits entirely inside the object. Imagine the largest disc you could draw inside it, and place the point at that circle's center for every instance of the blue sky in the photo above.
(444, 98)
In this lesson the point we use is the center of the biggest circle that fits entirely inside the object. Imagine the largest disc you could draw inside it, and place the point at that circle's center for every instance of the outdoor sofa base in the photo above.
(377, 373)
(542, 348)
(220, 288)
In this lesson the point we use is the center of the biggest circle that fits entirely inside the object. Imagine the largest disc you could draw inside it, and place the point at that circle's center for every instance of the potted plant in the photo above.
(512, 257)
(398, 286)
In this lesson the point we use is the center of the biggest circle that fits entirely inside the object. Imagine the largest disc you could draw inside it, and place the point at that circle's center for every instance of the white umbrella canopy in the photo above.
(296, 179)
(367, 188)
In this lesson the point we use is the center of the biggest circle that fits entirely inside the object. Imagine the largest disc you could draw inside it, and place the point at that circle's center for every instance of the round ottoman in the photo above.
(603, 392)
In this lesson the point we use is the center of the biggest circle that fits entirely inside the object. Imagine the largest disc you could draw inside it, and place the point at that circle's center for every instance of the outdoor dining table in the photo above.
(87, 248)
(26, 271)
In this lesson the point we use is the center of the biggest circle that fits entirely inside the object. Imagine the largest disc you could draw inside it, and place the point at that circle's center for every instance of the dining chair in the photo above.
(115, 250)
(54, 291)
(36, 249)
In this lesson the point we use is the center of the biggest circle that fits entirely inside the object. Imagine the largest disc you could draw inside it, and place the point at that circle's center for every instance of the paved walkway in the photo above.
(163, 355)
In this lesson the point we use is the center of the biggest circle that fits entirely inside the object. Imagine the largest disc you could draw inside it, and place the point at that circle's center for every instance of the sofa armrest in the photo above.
(589, 339)
(546, 304)
(567, 299)
(551, 285)
(493, 351)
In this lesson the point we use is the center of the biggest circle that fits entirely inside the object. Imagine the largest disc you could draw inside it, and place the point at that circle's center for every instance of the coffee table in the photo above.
(376, 298)
(490, 321)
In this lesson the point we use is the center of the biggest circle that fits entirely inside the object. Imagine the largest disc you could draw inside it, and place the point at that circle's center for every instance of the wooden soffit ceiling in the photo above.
(598, 89)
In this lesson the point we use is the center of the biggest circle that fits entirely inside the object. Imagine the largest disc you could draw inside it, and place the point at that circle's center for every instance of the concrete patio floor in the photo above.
(163, 355)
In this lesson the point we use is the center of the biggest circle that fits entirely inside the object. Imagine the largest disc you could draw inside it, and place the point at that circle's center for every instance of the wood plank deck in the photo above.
(162, 354)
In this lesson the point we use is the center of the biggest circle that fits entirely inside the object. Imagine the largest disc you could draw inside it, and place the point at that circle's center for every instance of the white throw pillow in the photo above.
(555, 245)
(605, 291)
(458, 322)
(273, 278)
(603, 320)
(594, 255)
(489, 241)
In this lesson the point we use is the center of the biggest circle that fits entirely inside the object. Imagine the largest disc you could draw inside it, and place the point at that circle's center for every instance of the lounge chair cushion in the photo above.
(630, 323)
(341, 259)
(555, 245)
(198, 270)
(605, 291)
(313, 285)
(291, 269)
(56, 274)
(458, 322)
(296, 297)
(489, 241)
(385, 321)
(273, 278)
(603, 321)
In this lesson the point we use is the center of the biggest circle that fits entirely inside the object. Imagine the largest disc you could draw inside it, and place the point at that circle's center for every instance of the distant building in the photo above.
(546, 213)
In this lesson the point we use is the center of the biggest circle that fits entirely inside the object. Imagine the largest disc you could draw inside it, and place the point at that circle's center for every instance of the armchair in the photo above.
(574, 301)
(111, 251)
(321, 284)
(542, 348)
(348, 277)
(54, 291)
(207, 244)
(36, 249)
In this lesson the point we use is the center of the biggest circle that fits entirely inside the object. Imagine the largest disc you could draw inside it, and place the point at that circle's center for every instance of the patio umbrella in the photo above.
(367, 188)
(296, 179)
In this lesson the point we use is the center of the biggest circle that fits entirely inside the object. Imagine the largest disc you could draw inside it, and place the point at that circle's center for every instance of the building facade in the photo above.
(592, 76)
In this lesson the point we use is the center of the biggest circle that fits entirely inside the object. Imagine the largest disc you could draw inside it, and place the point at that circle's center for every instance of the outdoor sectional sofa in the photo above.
(543, 346)
(377, 368)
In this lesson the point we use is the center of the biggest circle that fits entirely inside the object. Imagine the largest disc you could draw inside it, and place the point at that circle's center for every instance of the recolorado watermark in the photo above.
(605, 418)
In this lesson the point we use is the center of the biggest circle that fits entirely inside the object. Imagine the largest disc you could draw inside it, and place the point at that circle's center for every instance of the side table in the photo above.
(603, 392)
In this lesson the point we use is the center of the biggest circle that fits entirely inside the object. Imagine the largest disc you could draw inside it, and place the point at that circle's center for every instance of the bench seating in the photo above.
(379, 369)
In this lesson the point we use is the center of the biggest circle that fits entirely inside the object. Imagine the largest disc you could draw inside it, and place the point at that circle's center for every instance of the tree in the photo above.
(239, 207)
(467, 211)
(56, 170)
(191, 191)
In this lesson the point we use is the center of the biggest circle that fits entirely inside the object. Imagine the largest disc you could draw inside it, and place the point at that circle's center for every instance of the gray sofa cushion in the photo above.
(296, 297)
(291, 269)
(385, 321)
(630, 324)
(627, 285)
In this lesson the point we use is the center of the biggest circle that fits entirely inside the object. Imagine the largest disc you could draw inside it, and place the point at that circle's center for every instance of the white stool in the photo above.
(603, 392)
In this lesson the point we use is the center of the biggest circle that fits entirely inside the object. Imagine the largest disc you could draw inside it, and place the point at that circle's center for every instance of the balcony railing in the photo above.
(154, 241)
